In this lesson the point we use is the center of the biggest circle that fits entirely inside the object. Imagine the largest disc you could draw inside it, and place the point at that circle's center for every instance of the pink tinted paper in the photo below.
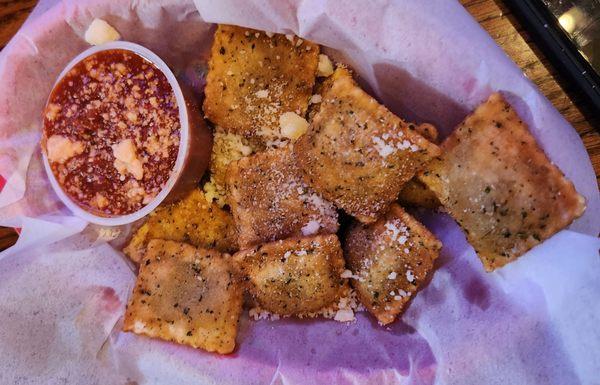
(63, 287)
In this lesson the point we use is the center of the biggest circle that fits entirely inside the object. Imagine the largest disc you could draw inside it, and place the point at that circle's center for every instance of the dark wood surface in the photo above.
(493, 15)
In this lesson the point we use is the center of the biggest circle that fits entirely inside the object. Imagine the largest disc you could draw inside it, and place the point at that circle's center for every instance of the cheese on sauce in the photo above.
(60, 148)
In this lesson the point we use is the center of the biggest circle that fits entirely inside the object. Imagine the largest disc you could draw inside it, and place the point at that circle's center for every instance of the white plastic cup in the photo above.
(194, 145)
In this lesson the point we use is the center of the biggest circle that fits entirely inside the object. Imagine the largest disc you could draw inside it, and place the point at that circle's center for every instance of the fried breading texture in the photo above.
(356, 153)
(270, 201)
(186, 295)
(254, 78)
(497, 183)
(191, 220)
(390, 259)
(296, 276)
(415, 193)
(227, 148)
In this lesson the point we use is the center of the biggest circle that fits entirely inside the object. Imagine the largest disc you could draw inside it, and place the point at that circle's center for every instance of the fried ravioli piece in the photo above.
(415, 193)
(390, 259)
(253, 79)
(497, 183)
(296, 276)
(192, 220)
(356, 153)
(186, 295)
(269, 200)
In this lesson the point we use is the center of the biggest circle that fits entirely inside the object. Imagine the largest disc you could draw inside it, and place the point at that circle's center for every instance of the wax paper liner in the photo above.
(64, 285)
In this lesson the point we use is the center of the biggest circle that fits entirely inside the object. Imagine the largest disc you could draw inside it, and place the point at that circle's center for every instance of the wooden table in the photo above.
(493, 15)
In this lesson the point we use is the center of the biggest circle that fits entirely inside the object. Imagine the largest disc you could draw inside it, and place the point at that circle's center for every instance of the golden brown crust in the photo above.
(185, 295)
(416, 193)
(356, 153)
(499, 185)
(391, 259)
(427, 131)
(296, 276)
(191, 220)
(254, 78)
(269, 200)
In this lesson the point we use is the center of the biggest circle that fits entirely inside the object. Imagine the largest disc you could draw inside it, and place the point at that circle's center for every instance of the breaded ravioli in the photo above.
(391, 260)
(255, 77)
(296, 276)
(498, 184)
(356, 153)
(186, 295)
(270, 201)
(191, 220)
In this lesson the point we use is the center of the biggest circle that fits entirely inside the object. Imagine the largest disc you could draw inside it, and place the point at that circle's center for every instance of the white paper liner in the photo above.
(63, 287)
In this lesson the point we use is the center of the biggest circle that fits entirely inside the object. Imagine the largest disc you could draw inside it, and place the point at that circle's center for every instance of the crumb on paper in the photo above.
(343, 311)
(344, 315)
(100, 32)
(325, 66)
(108, 234)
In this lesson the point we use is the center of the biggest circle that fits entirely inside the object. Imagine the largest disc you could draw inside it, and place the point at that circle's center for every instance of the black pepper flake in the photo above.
(222, 50)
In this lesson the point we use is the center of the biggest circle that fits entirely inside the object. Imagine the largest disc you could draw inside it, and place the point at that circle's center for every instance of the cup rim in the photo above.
(183, 138)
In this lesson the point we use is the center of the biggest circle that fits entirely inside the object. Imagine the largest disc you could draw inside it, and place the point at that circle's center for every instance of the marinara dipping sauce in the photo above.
(112, 132)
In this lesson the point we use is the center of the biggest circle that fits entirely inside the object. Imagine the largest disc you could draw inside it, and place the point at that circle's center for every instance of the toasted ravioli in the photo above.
(296, 276)
(415, 193)
(253, 79)
(191, 220)
(356, 153)
(390, 259)
(499, 185)
(186, 295)
(270, 201)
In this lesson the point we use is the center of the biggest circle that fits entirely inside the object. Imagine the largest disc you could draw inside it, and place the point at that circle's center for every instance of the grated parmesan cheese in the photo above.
(262, 94)
(312, 227)
(292, 125)
(60, 148)
(325, 66)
